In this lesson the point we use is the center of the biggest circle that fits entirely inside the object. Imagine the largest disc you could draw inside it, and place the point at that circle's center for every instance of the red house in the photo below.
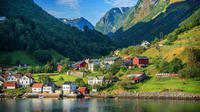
(59, 67)
(29, 74)
(10, 85)
(141, 61)
(83, 90)
(79, 65)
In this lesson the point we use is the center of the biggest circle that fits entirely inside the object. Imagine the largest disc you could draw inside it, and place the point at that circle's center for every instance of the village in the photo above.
(10, 80)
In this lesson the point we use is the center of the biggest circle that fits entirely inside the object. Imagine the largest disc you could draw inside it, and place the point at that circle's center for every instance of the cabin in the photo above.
(37, 87)
(68, 87)
(81, 65)
(83, 90)
(26, 80)
(14, 77)
(10, 85)
(99, 80)
(141, 61)
(59, 68)
(49, 87)
(136, 77)
(92, 64)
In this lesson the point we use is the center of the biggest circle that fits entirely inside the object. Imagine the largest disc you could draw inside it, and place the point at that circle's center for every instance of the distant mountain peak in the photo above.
(78, 22)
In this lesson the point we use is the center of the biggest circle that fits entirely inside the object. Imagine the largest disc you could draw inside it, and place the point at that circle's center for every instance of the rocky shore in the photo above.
(150, 95)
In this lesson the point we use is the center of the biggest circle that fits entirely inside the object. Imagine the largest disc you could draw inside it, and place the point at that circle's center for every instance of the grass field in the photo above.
(56, 78)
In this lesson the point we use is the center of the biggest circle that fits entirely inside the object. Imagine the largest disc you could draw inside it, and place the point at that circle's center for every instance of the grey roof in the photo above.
(142, 57)
(94, 77)
(67, 83)
(48, 84)
(111, 59)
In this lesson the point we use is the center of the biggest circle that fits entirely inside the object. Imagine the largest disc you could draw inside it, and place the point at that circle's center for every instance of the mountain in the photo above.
(30, 29)
(145, 22)
(77, 22)
(108, 21)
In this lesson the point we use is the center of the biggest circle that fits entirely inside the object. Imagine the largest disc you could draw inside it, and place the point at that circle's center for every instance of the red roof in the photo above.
(17, 75)
(59, 67)
(37, 85)
(4, 76)
(10, 84)
(82, 89)
(28, 74)
(137, 73)
(137, 78)
(174, 75)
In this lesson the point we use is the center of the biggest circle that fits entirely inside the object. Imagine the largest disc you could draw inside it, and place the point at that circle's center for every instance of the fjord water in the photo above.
(98, 105)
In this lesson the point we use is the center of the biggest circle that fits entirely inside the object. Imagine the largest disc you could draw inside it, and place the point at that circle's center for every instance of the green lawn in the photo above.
(153, 84)
(57, 77)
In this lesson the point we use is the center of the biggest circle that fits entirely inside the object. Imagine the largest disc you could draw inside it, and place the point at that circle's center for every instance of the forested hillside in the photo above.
(29, 28)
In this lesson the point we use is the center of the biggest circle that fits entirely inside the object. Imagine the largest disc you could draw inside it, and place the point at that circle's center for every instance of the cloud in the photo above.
(70, 3)
(120, 3)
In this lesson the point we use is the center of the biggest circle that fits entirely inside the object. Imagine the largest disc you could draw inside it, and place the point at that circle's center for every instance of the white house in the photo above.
(37, 87)
(14, 77)
(96, 80)
(68, 87)
(145, 43)
(49, 87)
(25, 81)
(91, 65)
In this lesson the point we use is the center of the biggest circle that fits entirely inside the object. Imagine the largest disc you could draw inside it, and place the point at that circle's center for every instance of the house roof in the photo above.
(67, 83)
(17, 75)
(142, 57)
(10, 84)
(96, 77)
(49, 84)
(78, 63)
(82, 88)
(29, 74)
(111, 59)
(37, 85)
(135, 74)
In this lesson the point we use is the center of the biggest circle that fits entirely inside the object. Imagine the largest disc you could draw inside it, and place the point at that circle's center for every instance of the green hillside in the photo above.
(29, 28)
(163, 23)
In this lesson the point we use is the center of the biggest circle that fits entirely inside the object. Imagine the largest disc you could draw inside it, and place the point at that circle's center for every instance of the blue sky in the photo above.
(92, 10)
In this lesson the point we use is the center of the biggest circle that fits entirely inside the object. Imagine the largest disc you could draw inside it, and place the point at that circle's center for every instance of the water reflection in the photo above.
(97, 105)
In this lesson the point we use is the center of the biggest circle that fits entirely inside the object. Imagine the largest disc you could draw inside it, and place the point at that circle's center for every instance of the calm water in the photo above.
(98, 105)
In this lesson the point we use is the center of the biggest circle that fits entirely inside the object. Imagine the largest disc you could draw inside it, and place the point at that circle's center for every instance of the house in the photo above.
(68, 87)
(96, 80)
(2, 80)
(141, 61)
(37, 87)
(10, 85)
(26, 80)
(59, 68)
(83, 90)
(91, 65)
(136, 77)
(81, 65)
(164, 75)
(49, 87)
(110, 60)
(145, 43)
(14, 77)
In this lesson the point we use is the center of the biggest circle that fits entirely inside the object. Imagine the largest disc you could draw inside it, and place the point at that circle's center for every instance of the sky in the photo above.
(92, 10)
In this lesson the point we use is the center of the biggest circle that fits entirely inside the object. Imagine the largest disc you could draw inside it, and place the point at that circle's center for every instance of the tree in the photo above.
(61, 78)
(42, 56)
(66, 65)
(48, 68)
(38, 69)
(30, 69)
(114, 68)
(80, 82)
(44, 79)
(97, 67)
(175, 65)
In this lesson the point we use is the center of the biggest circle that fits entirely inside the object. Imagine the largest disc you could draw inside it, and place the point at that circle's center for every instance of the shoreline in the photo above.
(123, 95)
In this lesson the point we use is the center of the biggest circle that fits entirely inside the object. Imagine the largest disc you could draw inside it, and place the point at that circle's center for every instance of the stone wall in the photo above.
(77, 74)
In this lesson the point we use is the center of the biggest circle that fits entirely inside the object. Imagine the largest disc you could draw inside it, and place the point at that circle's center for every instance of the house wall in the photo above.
(25, 81)
(68, 88)
(137, 61)
(10, 87)
(36, 90)
(48, 89)
(95, 81)
(12, 78)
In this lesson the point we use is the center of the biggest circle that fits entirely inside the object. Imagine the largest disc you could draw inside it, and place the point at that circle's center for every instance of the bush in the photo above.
(190, 72)
(125, 84)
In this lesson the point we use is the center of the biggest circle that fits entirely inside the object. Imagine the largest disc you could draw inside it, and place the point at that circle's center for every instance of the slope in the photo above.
(29, 28)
